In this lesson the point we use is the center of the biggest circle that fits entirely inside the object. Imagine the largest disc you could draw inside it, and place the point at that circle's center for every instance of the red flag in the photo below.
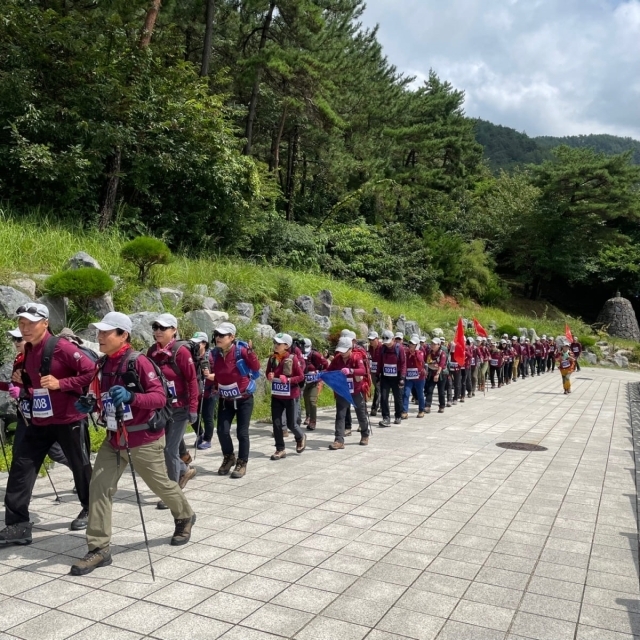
(567, 332)
(480, 330)
(458, 354)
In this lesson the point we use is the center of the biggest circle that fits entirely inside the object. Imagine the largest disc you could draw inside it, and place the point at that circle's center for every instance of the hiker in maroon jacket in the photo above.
(576, 350)
(392, 369)
(314, 363)
(374, 351)
(53, 418)
(495, 365)
(436, 364)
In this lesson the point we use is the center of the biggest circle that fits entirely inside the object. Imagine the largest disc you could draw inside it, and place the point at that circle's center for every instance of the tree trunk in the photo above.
(274, 161)
(536, 286)
(149, 23)
(253, 103)
(208, 37)
(110, 189)
(291, 172)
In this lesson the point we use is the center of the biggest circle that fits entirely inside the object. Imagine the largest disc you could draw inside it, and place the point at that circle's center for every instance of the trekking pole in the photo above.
(125, 435)
(200, 420)
(52, 485)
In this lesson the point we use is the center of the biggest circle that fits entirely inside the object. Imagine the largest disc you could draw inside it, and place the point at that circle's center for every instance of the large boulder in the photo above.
(523, 332)
(219, 290)
(411, 327)
(359, 314)
(324, 303)
(99, 307)
(201, 289)
(324, 322)
(208, 303)
(141, 326)
(265, 331)
(148, 300)
(245, 310)
(58, 308)
(589, 358)
(81, 260)
(26, 285)
(169, 296)
(437, 333)
(265, 314)
(619, 318)
(10, 300)
(362, 330)
(205, 320)
(401, 325)
(347, 316)
(621, 361)
(533, 336)
(306, 305)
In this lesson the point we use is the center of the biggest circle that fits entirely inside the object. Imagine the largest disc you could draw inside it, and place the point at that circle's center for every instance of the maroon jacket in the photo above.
(314, 362)
(394, 359)
(290, 390)
(470, 357)
(355, 362)
(227, 374)
(517, 350)
(185, 385)
(143, 405)
(374, 354)
(436, 360)
(576, 349)
(74, 371)
(495, 358)
(415, 362)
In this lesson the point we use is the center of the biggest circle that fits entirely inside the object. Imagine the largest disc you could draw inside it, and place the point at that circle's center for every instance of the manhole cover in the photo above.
(521, 446)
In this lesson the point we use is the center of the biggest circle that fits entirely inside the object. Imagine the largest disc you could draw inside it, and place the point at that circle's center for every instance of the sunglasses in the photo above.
(158, 327)
(17, 340)
(217, 335)
(33, 310)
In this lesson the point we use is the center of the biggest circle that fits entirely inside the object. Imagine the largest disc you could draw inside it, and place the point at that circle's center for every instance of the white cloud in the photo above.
(549, 67)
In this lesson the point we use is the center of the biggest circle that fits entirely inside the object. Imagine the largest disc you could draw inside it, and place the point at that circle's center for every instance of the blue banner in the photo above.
(337, 381)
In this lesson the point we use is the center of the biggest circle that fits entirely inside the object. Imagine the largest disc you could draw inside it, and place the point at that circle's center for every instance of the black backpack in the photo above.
(194, 350)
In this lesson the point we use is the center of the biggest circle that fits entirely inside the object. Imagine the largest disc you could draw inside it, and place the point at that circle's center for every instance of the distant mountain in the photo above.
(506, 148)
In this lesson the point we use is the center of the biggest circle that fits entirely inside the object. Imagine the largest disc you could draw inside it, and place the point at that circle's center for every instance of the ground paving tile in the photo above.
(430, 532)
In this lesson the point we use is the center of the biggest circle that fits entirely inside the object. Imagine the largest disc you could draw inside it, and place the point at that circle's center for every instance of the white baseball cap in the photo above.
(373, 335)
(436, 341)
(225, 329)
(114, 320)
(423, 338)
(344, 344)
(399, 335)
(387, 337)
(415, 339)
(15, 333)
(285, 338)
(199, 336)
(33, 311)
(166, 320)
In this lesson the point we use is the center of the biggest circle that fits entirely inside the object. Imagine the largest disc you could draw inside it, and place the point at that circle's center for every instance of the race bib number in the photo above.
(41, 404)
(565, 364)
(576, 350)
(473, 362)
(109, 412)
(280, 388)
(171, 386)
(350, 385)
(390, 370)
(413, 374)
(229, 391)
(25, 408)
(374, 367)
(311, 377)
(453, 365)
(493, 363)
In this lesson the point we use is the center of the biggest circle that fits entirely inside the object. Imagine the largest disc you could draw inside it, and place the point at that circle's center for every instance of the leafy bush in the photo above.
(587, 341)
(79, 285)
(145, 252)
(508, 329)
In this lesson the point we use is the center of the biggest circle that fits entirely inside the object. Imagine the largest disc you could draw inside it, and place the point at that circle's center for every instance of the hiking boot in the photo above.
(227, 462)
(80, 523)
(334, 446)
(311, 426)
(186, 458)
(93, 560)
(420, 414)
(427, 410)
(347, 432)
(441, 410)
(373, 413)
(285, 433)
(16, 534)
(404, 416)
(385, 422)
(161, 505)
(461, 399)
(307, 420)
(186, 476)
(182, 533)
(205, 444)
(240, 470)
(397, 421)
(278, 455)
(455, 402)
(364, 441)
(301, 445)
(449, 404)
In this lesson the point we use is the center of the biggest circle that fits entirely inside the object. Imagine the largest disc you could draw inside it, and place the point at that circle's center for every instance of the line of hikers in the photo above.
(145, 402)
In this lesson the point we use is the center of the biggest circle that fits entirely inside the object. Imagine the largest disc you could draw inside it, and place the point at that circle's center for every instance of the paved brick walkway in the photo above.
(430, 532)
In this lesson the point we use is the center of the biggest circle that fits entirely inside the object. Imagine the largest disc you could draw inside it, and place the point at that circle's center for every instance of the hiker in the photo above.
(551, 355)
(539, 355)
(507, 364)
(175, 361)
(415, 376)
(517, 358)
(128, 379)
(54, 373)
(314, 363)
(285, 373)
(392, 367)
(373, 352)
(456, 372)
(483, 357)
(566, 364)
(576, 349)
(353, 366)
(234, 367)
(495, 365)
(531, 351)
(471, 365)
(207, 401)
(436, 363)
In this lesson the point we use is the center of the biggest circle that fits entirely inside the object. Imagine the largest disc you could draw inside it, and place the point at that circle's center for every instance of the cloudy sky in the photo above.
(547, 67)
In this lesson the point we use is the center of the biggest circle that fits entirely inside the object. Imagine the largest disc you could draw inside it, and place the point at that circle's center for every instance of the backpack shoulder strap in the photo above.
(174, 352)
(47, 355)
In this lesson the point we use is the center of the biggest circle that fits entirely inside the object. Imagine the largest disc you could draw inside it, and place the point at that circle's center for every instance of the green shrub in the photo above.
(145, 252)
(79, 285)
(587, 341)
(507, 328)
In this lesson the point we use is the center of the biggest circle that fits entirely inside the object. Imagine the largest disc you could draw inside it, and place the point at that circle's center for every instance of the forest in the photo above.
(278, 131)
